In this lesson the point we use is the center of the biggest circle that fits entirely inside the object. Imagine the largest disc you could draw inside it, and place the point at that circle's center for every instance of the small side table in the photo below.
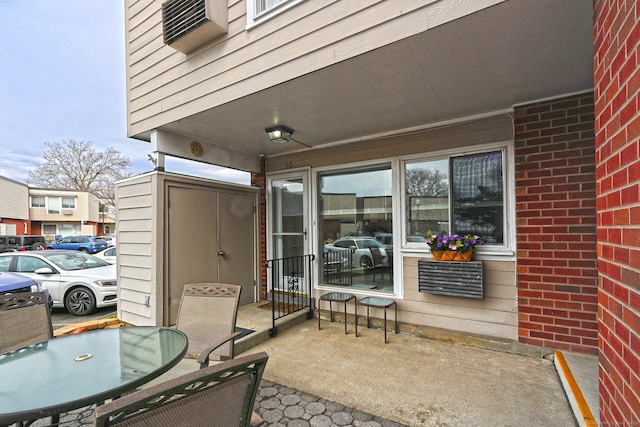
(339, 297)
(383, 303)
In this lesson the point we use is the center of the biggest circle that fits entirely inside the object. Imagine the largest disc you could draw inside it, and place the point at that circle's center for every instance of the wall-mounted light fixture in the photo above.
(279, 134)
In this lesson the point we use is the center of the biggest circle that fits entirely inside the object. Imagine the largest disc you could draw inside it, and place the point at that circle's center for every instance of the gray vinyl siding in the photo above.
(136, 257)
(494, 315)
(15, 199)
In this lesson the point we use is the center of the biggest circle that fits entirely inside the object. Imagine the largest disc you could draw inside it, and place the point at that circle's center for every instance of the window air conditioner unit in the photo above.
(67, 212)
(189, 24)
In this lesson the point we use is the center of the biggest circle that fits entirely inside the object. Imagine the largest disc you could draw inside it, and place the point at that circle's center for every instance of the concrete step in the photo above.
(257, 319)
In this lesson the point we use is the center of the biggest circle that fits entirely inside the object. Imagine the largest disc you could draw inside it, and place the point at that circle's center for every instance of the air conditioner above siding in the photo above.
(67, 212)
(189, 24)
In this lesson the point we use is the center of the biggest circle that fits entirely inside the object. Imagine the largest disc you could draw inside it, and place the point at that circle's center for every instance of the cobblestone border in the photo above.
(281, 406)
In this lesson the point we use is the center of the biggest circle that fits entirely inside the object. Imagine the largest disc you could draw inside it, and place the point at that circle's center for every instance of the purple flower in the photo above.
(453, 242)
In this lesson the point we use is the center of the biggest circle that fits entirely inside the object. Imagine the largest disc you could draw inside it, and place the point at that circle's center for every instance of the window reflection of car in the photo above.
(75, 280)
(386, 239)
(361, 255)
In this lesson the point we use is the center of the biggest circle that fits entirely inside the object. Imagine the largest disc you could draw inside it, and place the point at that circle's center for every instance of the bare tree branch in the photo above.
(76, 165)
(426, 183)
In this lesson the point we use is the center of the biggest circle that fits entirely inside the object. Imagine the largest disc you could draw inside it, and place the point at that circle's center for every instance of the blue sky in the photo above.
(62, 76)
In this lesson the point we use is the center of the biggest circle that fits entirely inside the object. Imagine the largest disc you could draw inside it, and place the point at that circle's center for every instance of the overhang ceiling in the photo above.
(515, 52)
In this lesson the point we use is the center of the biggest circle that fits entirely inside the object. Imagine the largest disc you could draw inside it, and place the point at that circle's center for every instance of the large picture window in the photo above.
(355, 212)
(462, 195)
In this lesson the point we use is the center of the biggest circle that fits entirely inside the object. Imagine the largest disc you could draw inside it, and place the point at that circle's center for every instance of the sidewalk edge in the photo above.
(579, 405)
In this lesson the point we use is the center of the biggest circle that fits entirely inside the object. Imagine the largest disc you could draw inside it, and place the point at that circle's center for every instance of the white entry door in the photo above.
(288, 215)
(288, 227)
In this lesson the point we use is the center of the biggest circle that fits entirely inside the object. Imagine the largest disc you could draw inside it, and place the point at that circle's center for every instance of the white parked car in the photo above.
(111, 241)
(75, 280)
(108, 255)
(359, 245)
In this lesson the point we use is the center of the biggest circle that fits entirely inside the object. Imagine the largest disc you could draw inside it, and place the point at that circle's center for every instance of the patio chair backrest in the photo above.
(25, 319)
(221, 395)
(376, 255)
(207, 313)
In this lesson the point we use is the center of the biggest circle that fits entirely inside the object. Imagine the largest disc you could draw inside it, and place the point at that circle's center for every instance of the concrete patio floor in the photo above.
(414, 380)
(440, 378)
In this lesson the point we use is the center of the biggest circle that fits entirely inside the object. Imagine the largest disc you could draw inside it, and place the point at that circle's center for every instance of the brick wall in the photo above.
(556, 224)
(617, 83)
(258, 180)
(19, 223)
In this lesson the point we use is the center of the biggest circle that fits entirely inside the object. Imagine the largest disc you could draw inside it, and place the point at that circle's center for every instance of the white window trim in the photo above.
(507, 251)
(49, 224)
(49, 198)
(75, 202)
(38, 207)
(256, 18)
(508, 248)
(398, 289)
(305, 173)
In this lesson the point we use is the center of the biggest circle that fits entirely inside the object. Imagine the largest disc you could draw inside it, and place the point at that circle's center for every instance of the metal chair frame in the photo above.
(222, 395)
(207, 315)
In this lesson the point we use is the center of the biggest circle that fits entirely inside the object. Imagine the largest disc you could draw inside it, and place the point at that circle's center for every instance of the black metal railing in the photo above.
(337, 267)
(290, 290)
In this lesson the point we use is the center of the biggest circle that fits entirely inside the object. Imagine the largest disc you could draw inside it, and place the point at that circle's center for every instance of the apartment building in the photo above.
(339, 108)
(49, 212)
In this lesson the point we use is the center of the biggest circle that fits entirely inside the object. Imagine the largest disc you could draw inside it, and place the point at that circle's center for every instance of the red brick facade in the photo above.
(259, 180)
(556, 224)
(617, 126)
(20, 225)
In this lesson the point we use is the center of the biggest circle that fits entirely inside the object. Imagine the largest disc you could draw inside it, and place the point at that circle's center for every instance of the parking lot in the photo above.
(61, 317)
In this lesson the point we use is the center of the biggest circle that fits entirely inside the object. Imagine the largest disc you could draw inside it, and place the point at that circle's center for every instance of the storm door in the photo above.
(288, 250)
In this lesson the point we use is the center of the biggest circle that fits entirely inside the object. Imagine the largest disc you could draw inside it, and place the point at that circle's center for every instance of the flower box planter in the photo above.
(452, 256)
(457, 279)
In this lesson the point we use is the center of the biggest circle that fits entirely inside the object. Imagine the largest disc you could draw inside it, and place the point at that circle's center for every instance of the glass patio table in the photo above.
(73, 371)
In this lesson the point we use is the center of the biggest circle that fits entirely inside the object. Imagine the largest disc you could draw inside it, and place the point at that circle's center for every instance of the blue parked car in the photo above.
(11, 283)
(88, 244)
